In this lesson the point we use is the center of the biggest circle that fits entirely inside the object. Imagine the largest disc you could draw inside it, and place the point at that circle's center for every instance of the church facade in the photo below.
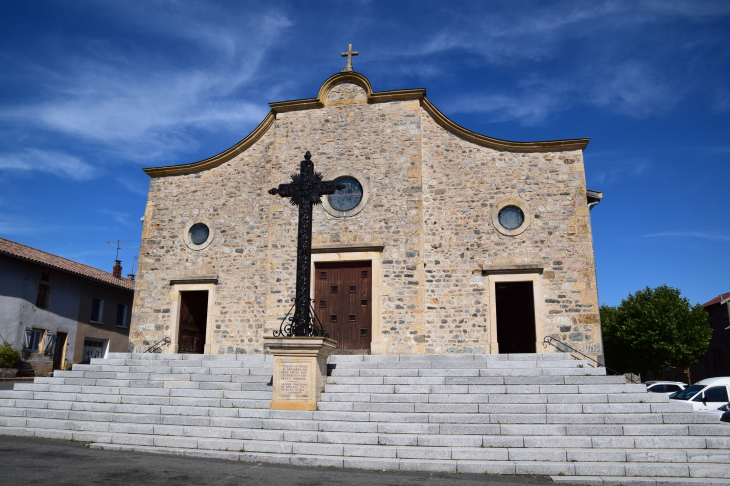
(440, 240)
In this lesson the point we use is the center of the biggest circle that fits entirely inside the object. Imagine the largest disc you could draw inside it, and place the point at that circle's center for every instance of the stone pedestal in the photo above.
(300, 370)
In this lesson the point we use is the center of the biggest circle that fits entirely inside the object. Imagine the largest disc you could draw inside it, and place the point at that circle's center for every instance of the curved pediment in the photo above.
(369, 96)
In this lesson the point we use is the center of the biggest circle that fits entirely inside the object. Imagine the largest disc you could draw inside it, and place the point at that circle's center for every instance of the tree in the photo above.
(654, 328)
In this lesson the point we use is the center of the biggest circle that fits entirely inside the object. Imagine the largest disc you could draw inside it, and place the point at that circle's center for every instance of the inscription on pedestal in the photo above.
(293, 380)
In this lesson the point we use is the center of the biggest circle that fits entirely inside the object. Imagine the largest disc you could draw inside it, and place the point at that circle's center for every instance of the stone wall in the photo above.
(431, 195)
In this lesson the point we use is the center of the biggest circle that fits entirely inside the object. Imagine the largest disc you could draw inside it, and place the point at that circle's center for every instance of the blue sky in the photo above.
(92, 91)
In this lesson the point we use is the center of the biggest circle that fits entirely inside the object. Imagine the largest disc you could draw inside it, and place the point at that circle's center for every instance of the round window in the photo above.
(199, 233)
(347, 198)
(511, 217)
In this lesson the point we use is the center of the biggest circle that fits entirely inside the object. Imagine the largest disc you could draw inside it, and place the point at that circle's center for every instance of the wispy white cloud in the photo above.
(689, 234)
(133, 186)
(128, 102)
(118, 216)
(607, 60)
(57, 163)
(12, 226)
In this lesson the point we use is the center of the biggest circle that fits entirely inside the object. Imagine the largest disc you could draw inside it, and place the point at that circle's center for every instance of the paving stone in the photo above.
(596, 455)
(370, 451)
(657, 469)
(450, 440)
(545, 468)
(469, 429)
(431, 465)
(532, 429)
(601, 468)
(479, 454)
(319, 449)
(399, 417)
(709, 471)
(491, 467)
(380, 464)
(655, 455)
(631, 418)
(365, 427)
(558, 441)
(342, 438)
(708, 455)
(459, 418)
(537, 454)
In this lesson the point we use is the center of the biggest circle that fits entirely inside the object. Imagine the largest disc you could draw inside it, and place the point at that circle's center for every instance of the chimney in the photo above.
(130, 276)
(117, 270)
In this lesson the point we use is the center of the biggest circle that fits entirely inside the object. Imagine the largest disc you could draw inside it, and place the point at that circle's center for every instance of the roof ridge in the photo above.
(13, 248)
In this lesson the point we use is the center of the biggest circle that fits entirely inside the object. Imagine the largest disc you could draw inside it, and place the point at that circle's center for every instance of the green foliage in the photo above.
(654, 328)
(8, 356)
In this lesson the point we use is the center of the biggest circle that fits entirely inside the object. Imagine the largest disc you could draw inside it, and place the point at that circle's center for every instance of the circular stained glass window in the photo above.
(347, 198)
(199, 233)
(511, 217)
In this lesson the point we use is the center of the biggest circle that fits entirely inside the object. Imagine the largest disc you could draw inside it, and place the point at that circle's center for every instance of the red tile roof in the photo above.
(17, 250)
(718, 299)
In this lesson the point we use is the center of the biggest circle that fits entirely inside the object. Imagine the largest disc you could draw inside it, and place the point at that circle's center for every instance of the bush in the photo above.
(8, 356)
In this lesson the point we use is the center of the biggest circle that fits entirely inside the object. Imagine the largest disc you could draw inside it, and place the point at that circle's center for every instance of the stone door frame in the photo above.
(493, 345)
(175, 315)
(377, 344)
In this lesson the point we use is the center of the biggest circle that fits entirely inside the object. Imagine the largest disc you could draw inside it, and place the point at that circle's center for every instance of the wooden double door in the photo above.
(343, 302)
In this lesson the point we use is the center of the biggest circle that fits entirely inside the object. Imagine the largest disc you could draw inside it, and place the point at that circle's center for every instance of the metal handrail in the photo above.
(549, 340)
(158, 345)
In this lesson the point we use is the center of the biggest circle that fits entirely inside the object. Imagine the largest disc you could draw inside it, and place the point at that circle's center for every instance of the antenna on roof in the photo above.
(118, 247)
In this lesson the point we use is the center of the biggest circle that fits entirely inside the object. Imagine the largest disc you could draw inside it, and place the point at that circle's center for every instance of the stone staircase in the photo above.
(543, 414)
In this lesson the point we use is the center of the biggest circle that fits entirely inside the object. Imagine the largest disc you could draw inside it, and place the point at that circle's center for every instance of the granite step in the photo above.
(710, 447)
(467, 372)
(528, 414)
(374, 423)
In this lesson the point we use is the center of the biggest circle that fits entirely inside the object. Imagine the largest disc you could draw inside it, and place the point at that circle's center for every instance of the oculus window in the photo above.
(199, 233)
(511, 217)
(348, 198)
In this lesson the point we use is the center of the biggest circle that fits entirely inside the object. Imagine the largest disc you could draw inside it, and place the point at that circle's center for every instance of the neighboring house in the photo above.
(716, 361)
(59, 311)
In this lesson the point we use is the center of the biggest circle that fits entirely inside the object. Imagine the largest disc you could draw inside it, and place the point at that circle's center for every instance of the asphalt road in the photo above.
(8, 384)
(41, 461)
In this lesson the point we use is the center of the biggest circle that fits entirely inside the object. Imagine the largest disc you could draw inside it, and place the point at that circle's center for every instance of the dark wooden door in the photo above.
(342, 293)
(193, 321)
(515, 317)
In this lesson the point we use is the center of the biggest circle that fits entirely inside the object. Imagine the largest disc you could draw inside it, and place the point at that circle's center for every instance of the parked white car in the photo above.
(708, 394)
(723, 409)
(666, 387)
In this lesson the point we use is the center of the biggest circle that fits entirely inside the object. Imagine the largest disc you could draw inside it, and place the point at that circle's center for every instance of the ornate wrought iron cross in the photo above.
(305, 190)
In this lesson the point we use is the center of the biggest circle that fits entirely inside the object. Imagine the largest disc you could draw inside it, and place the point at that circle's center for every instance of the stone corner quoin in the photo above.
(432, 194)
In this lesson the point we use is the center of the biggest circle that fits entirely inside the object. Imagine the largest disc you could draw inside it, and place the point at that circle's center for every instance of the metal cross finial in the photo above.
(348, 55)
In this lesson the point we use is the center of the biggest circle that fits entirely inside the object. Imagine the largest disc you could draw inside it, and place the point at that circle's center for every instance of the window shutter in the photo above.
(28, 338)
(50, 343)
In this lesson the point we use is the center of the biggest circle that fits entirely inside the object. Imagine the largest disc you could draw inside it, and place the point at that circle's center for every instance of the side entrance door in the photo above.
(515, 317)
(342, 301)
(193, 321)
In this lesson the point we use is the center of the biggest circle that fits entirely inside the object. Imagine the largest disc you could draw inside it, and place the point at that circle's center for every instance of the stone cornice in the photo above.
(497, 144)
(216, 160)
(372, 97)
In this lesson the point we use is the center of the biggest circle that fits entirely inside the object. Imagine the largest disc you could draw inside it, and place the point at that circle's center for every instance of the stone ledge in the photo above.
(349, 248)
(194, 279)
(516, 268)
